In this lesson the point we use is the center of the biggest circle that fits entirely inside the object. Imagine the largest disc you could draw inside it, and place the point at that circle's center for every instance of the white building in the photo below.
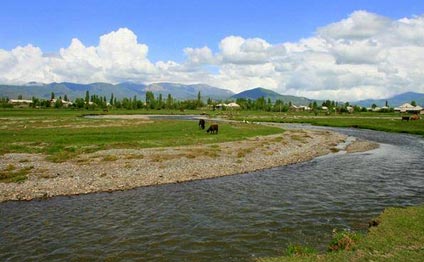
(408, 108)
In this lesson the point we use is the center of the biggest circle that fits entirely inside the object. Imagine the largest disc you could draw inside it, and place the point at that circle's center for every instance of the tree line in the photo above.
(158, 102)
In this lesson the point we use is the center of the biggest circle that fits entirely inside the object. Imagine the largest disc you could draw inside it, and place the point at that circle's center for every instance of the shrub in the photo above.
(344, 240)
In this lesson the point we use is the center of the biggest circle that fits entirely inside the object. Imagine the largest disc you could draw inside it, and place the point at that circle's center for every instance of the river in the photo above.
(233, 218)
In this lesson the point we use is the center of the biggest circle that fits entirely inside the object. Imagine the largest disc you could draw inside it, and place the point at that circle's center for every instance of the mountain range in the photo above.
(178, 91)
(394, 101)
(126, 89)
(269, 94)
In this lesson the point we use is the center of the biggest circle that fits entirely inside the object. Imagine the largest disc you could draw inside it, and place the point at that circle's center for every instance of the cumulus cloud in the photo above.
(365, 55)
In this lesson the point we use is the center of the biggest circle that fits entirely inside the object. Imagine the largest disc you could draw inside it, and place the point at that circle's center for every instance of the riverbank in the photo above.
(121, 169)
(396, 235)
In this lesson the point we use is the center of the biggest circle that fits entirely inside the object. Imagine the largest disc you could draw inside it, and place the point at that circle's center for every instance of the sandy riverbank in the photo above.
(120, 169)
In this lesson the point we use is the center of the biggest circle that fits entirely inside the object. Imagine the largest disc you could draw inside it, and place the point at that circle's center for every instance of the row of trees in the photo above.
(96, 102)
(169, 102)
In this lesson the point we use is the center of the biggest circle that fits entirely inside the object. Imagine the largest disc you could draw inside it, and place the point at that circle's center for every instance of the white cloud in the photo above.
(359, 25)
(237, 50)
(198, 56)
(362, 56)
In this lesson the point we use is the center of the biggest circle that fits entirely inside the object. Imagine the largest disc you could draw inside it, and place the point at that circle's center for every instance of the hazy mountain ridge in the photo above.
(258, 92)
(126, 89)
(178, 91)
(394, 101)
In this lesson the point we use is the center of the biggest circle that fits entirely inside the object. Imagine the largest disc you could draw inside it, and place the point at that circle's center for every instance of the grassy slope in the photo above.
(398, 237)
(63, 133)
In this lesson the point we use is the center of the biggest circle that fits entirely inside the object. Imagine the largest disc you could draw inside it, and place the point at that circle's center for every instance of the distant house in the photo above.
(324, 108)
(408, 108)
(64, 103)
(20, 102)
(304, 108)
(231, 105)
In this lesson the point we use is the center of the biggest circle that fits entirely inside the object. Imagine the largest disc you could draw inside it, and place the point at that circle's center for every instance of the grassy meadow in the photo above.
(389, 122)
(63, 134)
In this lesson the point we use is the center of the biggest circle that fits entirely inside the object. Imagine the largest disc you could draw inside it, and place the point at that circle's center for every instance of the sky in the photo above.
(341, 50)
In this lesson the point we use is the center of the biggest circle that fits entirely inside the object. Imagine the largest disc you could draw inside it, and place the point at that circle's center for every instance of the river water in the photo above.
(234, 218)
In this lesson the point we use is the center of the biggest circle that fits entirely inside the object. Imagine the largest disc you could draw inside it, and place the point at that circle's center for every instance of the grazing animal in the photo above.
(202, 123)
(213, 129)
(405, 118)
(414, 117)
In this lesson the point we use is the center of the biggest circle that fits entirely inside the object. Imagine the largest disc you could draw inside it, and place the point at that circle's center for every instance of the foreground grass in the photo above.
(398, 237)
(64, 134)
(390, 122)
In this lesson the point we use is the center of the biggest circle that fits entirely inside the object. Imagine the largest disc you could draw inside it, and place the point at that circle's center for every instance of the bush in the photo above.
(345, 240)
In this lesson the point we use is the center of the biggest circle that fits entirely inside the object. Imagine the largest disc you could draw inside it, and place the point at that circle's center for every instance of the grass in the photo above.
(398, 237)
(64, 134)
(389, 122)
(12, 174)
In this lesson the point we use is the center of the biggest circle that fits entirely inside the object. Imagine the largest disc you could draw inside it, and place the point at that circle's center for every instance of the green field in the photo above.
(63, 134)
(389, 122)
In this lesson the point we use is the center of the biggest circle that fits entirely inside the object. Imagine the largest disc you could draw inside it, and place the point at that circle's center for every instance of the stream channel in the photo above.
(233, 218)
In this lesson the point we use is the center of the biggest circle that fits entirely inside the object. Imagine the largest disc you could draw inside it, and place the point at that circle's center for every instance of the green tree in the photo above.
(169, 102)
(111, 101)
(87, 97)
(52, 96)
(199, 99)
(150, 100)
(160, 102)
(413, 103)
(79, 102)
(58, 103)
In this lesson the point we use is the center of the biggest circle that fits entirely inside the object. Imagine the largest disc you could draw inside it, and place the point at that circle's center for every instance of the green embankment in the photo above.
(399, 236)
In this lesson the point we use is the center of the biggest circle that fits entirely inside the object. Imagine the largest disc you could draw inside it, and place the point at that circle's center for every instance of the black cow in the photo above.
(202, 123)
(405, 118)
(213, 129)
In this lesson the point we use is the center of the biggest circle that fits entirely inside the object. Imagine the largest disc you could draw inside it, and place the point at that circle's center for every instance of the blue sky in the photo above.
(168, 26)
(341, 50)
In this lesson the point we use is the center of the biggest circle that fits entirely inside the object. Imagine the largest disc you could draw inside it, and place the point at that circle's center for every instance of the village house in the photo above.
(20, 102)
(231, 105)
(64, 103)
(408, 108)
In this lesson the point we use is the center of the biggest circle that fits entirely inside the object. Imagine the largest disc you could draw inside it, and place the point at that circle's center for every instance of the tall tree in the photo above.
(199, 99)
(150, 100)
(87, 97)
(111, 99)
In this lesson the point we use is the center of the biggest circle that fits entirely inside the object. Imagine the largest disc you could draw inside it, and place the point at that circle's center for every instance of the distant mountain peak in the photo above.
(394, 101)
(259, 92)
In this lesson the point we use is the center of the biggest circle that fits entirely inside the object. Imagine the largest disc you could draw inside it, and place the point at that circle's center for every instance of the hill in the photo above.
(395, 100)
(126, 89)
(258, 92)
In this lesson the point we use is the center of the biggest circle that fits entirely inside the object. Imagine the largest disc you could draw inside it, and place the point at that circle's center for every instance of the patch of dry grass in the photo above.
(12, 174)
